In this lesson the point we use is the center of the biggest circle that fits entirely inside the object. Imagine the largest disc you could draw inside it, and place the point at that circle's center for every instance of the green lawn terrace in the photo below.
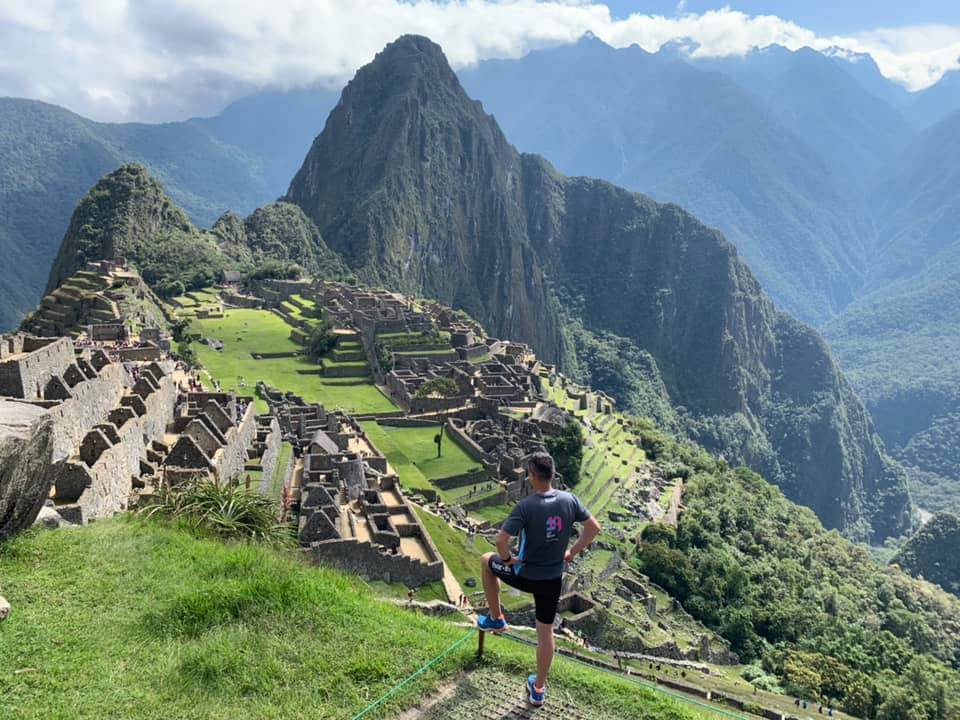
(403, 347)
(197, 303)
(617, 479)
(301, 314)
(412, 453)
(455, 479)
(257, 346)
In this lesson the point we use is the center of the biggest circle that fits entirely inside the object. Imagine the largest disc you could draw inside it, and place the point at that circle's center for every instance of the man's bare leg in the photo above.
(545, 649)
(491, 588)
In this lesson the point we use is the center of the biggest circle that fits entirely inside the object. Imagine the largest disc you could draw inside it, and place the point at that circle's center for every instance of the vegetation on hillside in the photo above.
(934, 552)
(278, 234)
(442, 387)
(274, 270)
(811, 608)
(321, 341)
(567, 451)
(228, 510)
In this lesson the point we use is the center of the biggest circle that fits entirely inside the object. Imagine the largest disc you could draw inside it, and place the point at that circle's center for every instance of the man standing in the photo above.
(544, 522)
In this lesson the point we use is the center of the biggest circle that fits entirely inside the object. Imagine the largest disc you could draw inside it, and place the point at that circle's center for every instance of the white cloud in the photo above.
(168, 59)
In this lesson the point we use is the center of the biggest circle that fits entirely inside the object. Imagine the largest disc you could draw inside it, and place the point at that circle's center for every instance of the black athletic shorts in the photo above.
(546, 593)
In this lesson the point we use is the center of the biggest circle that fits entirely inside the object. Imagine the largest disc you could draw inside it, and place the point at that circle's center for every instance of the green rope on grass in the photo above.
(393, 691)
(632, 678)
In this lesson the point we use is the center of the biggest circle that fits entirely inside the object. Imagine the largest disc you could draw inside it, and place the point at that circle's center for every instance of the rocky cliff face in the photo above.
(418, 189)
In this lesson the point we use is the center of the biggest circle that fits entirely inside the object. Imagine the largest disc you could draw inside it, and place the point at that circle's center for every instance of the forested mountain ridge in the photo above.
(838, 187)
(900, 342)
(803, 604)
(417, 188)
(128, 215)
(50, 157)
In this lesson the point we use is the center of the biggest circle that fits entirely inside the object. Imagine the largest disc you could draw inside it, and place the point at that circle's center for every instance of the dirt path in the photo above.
(493, 695)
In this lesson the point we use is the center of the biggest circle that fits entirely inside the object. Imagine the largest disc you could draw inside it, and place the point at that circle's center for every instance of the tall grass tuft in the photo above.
(228, 510)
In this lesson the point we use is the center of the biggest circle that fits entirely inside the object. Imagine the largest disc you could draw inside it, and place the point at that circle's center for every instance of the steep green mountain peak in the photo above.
(122, 208)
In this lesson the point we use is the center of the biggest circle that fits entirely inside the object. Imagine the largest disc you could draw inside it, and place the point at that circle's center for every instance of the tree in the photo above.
(187, 354)
(567, 451)
(277, 270)
(321, 341)
(171, 288)
(438, 387)
(901, 704)
(438, 438)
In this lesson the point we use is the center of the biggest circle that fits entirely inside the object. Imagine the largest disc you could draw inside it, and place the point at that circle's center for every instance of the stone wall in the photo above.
(497, 498)
(109, 480)
(429, 404)
(458, 481)
(469, 446)
(271, 453)
(44, 456)
(145, 353)
(370, 561)
(26, 374)
(231, 459)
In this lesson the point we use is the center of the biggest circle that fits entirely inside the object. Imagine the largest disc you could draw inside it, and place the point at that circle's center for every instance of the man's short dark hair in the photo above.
(541, 465)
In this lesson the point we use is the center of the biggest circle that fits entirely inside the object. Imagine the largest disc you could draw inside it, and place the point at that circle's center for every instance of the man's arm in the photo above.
(591, 528)
(503, 548)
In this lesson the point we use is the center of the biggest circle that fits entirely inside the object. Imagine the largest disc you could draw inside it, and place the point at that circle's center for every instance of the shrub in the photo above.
(228, 510)
(321, 341)
(441, 386)
(276, 270)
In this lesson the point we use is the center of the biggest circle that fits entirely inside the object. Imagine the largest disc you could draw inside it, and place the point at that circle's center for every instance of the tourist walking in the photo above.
(544, 523)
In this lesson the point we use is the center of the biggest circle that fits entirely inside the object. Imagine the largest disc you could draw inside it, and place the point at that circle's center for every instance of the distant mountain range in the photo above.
(834, 183)
(839, 188)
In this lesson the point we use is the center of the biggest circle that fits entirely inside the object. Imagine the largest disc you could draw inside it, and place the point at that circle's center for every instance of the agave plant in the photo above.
(229, 510)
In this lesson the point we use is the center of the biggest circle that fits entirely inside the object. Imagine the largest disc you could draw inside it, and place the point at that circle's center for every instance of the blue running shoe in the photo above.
(536, 697)
(486, 624)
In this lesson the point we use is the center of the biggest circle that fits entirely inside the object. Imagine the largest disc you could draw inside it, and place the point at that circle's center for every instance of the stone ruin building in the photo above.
(349, 506)
(216, 435)
(76, 428)
(82, 432)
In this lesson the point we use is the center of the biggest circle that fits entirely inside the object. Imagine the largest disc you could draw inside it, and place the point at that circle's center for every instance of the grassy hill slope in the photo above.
(136, 619)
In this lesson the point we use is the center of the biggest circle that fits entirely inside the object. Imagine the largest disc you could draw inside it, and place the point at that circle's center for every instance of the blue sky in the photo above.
(822, 16)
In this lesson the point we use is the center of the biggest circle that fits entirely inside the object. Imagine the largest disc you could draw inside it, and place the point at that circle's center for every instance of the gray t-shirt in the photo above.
(544, 524)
